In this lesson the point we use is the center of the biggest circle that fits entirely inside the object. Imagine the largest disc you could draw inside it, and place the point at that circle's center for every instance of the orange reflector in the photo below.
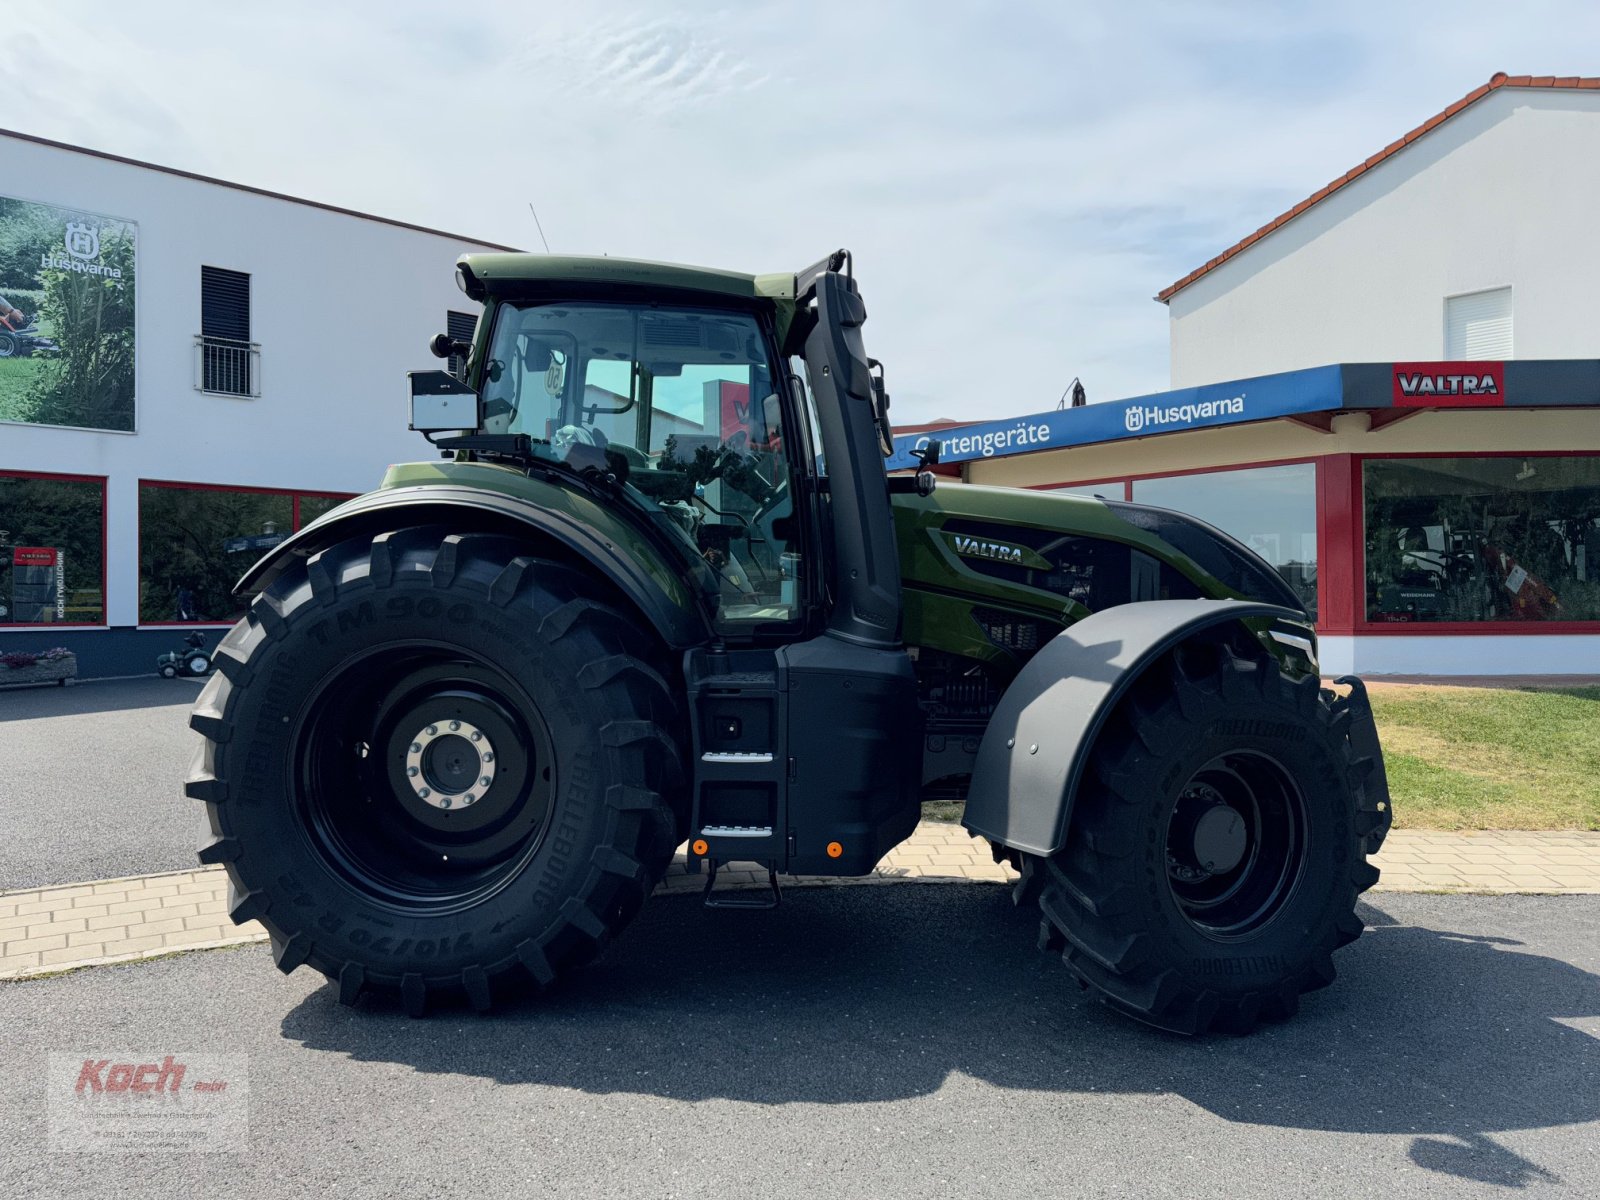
(699, 846)
(835, 850)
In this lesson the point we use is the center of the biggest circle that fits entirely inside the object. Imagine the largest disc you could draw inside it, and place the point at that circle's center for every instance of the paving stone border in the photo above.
(47, 930)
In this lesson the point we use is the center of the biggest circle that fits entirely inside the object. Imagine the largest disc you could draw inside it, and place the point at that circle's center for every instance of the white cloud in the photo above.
(1016, 181)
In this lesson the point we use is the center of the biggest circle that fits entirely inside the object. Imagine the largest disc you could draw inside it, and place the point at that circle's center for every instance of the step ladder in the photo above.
(740, 804)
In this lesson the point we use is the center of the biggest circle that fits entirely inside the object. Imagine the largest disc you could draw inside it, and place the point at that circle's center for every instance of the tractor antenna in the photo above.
(537, 224)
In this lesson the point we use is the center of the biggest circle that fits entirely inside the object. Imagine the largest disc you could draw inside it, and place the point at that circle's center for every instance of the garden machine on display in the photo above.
(661, 590)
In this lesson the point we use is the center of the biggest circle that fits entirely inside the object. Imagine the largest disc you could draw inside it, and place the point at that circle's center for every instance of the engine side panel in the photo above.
(992, 575)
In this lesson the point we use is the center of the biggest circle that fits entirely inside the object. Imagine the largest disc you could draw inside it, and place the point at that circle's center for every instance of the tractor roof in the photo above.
(548, 274)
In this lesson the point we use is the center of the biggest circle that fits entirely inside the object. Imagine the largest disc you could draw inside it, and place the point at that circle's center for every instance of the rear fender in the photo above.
(1044, 729)
(644, 577)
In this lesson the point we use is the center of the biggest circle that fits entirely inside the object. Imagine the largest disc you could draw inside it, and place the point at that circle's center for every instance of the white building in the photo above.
(269, 338)
(1470, 237)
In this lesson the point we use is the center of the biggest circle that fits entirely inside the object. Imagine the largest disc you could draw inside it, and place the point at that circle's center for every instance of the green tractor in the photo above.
(659, 588)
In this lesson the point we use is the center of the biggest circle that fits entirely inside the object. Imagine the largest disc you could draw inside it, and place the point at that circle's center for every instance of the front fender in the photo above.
(1044, 728)
(596, 540)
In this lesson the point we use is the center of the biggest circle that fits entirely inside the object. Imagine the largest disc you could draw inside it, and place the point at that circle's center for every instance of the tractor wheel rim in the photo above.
(450, 763)
(1235, 844)
(385, 760)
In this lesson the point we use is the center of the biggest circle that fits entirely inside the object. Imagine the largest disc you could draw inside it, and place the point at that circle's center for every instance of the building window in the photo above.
(229, 362)
(308, 507)
(1272, 510)
(460, 327)
(195, 541)
(52, 550)
(1477, 326)
(1487, 538)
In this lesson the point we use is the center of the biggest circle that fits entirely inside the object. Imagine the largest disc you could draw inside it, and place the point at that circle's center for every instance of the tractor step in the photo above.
(741, 897)
(741, 762)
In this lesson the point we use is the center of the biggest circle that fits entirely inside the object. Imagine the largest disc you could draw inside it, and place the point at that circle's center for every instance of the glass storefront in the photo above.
(1500, 538)
(1272, 510)
(52, 540)
(312, 507)
(195, 543)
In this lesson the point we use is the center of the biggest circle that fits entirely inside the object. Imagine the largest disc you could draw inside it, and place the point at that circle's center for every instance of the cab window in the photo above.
(680, 406)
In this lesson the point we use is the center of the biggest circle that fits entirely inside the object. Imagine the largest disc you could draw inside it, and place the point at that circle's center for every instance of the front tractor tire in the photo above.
(437, 768)
(1217, 847)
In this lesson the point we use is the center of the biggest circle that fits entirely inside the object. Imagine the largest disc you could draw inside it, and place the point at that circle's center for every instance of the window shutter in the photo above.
(227, 365)
(460, 326)
(1478, 326)
(225, 304)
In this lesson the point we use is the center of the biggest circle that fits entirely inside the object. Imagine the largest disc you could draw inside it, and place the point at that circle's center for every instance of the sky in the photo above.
(1016, 182)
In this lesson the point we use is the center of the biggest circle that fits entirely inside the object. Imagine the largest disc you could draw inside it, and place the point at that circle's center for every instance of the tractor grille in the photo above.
(1020, 635)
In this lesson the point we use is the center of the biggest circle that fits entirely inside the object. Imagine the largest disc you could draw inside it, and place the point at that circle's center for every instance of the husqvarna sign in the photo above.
(67, 326)
(1138, 418)
(1231, 403)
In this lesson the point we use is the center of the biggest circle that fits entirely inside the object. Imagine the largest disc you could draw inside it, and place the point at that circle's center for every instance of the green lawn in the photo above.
(1479, 758)
(16, 379)
(1486, 758)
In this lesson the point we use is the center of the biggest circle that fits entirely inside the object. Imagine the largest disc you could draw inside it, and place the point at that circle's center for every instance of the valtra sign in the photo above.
(1449, 385)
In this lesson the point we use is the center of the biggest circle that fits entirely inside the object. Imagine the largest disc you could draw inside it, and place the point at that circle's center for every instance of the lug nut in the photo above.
(425, 793)
(432, 729)
(484, 782)
(476, 736)
(411, 771)
(468, 798)
(454, 725)
(444, 801)
(416, 747)
(489, 757)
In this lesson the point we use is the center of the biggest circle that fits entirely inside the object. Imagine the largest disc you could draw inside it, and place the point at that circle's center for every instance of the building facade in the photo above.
(189, 370)
(1469, 237)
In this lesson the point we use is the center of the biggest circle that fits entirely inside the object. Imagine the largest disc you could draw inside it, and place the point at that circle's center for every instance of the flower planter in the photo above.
(57, 671)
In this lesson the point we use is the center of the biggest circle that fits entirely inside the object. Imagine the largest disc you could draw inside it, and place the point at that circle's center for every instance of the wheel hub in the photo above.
(1235, 843)
(449, 764)
(1219, 839)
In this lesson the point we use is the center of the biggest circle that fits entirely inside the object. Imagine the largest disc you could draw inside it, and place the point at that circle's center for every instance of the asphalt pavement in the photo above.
(872, 1042)
(91, 781)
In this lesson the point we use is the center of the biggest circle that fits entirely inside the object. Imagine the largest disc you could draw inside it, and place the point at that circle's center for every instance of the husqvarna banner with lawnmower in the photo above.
(66, 317)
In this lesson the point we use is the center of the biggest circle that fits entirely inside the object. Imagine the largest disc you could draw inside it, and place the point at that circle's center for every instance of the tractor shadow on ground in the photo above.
(875, 994)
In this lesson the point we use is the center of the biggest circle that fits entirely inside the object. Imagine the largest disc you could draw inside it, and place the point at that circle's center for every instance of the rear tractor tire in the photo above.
(437, 768)
(1217, 847)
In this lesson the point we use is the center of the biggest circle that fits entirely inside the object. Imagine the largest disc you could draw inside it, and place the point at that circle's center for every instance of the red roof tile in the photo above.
(1499, 80)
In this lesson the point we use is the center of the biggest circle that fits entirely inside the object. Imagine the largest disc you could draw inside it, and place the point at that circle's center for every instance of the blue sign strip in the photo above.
(1315, 389)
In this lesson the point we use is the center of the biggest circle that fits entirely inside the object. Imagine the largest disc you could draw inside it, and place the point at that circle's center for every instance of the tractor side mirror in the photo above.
(440, 402)
(928, 455)
(442, 345)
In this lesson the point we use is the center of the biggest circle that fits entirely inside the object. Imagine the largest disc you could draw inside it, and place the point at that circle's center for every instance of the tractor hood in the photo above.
(1069, 555)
